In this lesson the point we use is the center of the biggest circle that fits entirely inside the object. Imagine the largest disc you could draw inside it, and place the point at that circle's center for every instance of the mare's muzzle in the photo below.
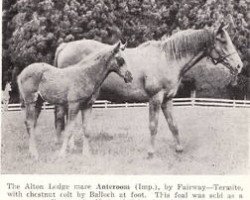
(128, 77)
(234, 80)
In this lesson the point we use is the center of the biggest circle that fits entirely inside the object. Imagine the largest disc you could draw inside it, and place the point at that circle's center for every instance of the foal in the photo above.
(75, 87)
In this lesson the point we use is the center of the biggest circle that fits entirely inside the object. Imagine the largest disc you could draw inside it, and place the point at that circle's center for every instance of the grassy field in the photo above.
(215, 140)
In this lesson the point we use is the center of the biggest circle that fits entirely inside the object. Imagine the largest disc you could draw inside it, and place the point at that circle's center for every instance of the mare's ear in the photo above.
(117, 48)
(223, 27)
(123, 46)
(219, 29)
(231, 28)
(220, 32)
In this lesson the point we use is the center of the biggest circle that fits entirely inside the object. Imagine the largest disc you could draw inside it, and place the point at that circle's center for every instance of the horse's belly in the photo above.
(53, 97)
(53, 92)
(115, 89)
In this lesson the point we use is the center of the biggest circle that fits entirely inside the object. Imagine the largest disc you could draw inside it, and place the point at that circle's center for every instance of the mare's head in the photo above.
(118, 64)
(223, 51)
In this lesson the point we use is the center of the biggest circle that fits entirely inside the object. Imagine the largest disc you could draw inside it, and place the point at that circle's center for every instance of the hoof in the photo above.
(34, 153)
(71, 143)
(86, 152)
(58, 141)
(86, 155)
(34, 156)
(72, 148)
(179, 149)
(150, 155)
(61, 155)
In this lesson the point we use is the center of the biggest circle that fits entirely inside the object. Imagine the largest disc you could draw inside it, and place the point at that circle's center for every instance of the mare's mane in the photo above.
(187, 42)
(149, 43)
(183, 43)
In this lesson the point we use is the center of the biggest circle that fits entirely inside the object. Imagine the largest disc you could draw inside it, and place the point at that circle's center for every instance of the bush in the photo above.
(34, 28)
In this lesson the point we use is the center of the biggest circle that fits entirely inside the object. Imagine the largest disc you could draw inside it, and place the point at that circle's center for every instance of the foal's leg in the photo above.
(72, 113)
(167, 108)
(86, 117)
(154, 108)
(59, 121)
(38, 108)
(30, 122)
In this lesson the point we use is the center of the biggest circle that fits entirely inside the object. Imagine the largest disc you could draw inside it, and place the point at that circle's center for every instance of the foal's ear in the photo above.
(123, 46)
(117, 48)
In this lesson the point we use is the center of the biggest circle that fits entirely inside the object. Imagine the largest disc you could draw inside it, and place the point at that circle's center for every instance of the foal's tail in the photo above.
(58, 50)
(21, 94)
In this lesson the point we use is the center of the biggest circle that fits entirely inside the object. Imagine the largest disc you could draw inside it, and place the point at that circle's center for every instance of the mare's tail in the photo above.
(58, 50)
(21, 94)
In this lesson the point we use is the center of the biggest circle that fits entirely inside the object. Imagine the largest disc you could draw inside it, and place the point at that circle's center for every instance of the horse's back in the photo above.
(73, 52)
(34, 70)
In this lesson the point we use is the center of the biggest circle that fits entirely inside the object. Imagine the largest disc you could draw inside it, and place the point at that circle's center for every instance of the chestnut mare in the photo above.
(157, 68)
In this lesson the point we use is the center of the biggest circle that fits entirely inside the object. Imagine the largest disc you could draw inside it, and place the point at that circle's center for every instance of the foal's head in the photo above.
(118, 64)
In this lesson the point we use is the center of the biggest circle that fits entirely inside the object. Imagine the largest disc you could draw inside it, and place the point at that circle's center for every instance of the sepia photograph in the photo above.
(125, 87)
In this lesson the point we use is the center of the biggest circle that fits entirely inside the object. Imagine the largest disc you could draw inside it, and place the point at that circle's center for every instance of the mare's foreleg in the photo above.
(30, 122)
(86, 117)
(73, 110)
(154, 109)
(167, 108)
(59, 121)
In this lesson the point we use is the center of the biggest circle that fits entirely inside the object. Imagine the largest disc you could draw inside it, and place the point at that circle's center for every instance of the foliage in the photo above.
(34, 28)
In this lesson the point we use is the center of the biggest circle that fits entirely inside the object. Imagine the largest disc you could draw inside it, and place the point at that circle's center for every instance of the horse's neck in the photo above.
(195, 59)
(96, 73)
(186, 48)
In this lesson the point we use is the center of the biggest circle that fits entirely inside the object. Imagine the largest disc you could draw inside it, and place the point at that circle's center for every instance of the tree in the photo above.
(34, 28)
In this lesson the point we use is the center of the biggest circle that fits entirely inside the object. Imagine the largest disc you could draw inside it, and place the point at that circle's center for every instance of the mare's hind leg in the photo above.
(167, 108)
(59, 121)
(154, 108)
(86, 117)
(30, 122)
(73, 110)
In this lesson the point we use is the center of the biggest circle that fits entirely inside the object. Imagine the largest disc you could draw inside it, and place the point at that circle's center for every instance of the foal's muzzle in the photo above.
(128, 77)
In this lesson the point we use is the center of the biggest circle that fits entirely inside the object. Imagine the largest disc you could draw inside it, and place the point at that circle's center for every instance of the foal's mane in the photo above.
(93, 58)
(187, 42)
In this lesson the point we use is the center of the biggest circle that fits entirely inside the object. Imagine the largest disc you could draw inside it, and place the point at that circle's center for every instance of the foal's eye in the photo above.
(120, 61)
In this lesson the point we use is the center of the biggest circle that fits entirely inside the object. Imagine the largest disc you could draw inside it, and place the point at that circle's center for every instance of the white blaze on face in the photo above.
(233, 57)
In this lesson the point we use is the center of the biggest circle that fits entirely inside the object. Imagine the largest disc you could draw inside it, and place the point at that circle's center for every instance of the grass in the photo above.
(215, 142)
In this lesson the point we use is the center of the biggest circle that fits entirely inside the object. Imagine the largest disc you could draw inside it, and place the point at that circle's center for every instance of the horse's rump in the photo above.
(29, 79)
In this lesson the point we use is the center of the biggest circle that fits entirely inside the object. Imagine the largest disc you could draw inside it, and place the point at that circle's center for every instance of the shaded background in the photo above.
(32, 30)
